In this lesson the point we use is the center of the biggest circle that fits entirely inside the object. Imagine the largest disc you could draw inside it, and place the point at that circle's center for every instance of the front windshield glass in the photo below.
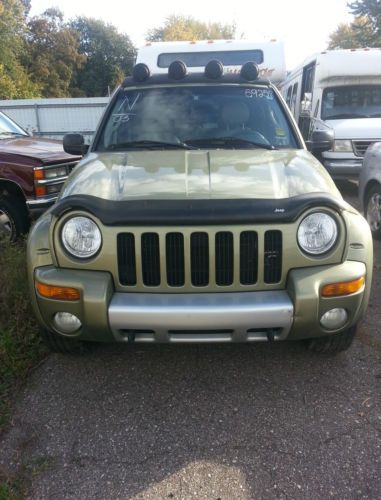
(208, 116)
(8, 128)
(355, 101)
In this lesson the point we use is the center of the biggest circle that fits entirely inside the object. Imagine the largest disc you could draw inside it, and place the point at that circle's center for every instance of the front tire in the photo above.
(13, 218)
(373, 210)
(61, 344)
(333, 344)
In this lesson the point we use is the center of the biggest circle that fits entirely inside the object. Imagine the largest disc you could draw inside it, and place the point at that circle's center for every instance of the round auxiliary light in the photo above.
(214, 69)
(81, 237)
(317, 233)
(250, 71)
(141, 72)
(177, 70)
(334, 318)
(66, 322)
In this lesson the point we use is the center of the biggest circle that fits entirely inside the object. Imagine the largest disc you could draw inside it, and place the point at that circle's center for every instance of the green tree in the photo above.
(177, 28)
(357, 34)
(363, 31)
(109, 57)
(52, 53)
(371, 9)
(14, 79)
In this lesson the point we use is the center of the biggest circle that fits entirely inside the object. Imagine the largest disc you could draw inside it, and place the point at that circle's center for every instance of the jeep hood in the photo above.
(200, 174)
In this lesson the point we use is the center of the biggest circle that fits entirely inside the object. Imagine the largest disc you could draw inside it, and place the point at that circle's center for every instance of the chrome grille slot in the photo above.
(199, 259)
(175, 259)
(224, 258)
(273, 257)
(150, 259)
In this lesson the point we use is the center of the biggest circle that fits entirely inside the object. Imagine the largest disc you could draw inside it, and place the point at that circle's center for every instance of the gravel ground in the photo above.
(214, 422)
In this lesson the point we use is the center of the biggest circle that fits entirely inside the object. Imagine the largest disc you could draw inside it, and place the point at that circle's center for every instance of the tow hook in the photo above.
(131, 337)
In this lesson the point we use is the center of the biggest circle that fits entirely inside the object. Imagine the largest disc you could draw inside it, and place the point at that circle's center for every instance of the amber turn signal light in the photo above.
(343, 288)
(57, 292)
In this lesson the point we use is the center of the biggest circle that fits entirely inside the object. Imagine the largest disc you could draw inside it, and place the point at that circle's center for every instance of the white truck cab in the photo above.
(269, 55)
(340, 89)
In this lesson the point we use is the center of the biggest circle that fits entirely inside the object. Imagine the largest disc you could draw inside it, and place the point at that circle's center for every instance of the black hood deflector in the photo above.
(199, 212)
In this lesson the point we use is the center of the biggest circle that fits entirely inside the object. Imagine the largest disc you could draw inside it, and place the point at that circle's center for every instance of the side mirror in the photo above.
(74, 144)
(320, 141)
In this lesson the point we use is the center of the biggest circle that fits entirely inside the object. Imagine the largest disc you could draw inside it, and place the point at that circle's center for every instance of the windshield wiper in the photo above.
(146, 144)
(229, 141)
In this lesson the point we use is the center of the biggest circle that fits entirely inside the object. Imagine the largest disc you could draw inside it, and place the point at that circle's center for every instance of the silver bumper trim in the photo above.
(42, 202)
(204, 317)
(330, 163)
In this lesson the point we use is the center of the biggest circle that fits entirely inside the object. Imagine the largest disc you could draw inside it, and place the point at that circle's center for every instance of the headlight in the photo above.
(81, 237)
(342, 146)
(317, 233)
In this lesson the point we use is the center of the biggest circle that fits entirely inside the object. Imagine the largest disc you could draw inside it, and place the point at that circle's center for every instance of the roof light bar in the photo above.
(214, 69)
(177, 70)
(141, 72)
(250, 71)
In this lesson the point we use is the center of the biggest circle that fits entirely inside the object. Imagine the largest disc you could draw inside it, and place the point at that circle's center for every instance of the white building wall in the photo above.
(56, 117)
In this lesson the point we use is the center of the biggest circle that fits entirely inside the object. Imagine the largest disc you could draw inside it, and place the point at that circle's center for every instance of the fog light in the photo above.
(66, 322)
(334, 318)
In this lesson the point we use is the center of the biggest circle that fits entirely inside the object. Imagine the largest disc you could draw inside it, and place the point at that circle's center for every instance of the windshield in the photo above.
(208, 116)
(8, 128)
(355, 101)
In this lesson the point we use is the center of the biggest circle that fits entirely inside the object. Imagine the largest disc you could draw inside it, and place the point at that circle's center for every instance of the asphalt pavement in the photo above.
(215, 422)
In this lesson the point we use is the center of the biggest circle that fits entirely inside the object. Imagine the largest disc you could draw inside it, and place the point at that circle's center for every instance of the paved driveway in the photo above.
(214, 422)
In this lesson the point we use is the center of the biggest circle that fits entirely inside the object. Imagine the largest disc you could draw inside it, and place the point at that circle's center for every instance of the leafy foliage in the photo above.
(363, 31)
(188, 28)
(52, 55)
(109, 57)
(14, 80)
(357, 34)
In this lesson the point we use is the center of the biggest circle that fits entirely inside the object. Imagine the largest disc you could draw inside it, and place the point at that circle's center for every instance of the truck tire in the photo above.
(333, 344)
(63, 345)
(13, 218)
(372, 210)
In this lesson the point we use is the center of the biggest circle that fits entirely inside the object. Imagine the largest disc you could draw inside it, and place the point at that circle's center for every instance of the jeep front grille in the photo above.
(199, 259)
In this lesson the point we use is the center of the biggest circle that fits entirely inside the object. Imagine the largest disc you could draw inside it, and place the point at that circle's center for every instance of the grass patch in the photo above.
(11, 491)
(20, 345)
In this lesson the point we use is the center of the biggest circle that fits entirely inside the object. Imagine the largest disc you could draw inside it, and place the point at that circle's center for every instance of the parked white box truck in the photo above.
(340, 89)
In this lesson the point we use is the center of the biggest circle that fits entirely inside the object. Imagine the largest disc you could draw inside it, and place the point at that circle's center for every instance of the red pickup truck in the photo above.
(32, 172)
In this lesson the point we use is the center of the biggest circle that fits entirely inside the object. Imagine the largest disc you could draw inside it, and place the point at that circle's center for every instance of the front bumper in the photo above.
(343, 168)
(293, 313)
(210, 317)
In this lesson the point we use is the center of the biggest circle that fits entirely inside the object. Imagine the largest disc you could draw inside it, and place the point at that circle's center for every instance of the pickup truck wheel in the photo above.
(13, 219)
(63, 345)
(373, 210)
(335, 343)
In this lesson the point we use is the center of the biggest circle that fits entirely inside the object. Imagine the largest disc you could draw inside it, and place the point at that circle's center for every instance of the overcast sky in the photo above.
(303, 25)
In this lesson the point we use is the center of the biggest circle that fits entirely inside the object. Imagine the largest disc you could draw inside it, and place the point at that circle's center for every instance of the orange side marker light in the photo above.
(57, 292)
(343, 288)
